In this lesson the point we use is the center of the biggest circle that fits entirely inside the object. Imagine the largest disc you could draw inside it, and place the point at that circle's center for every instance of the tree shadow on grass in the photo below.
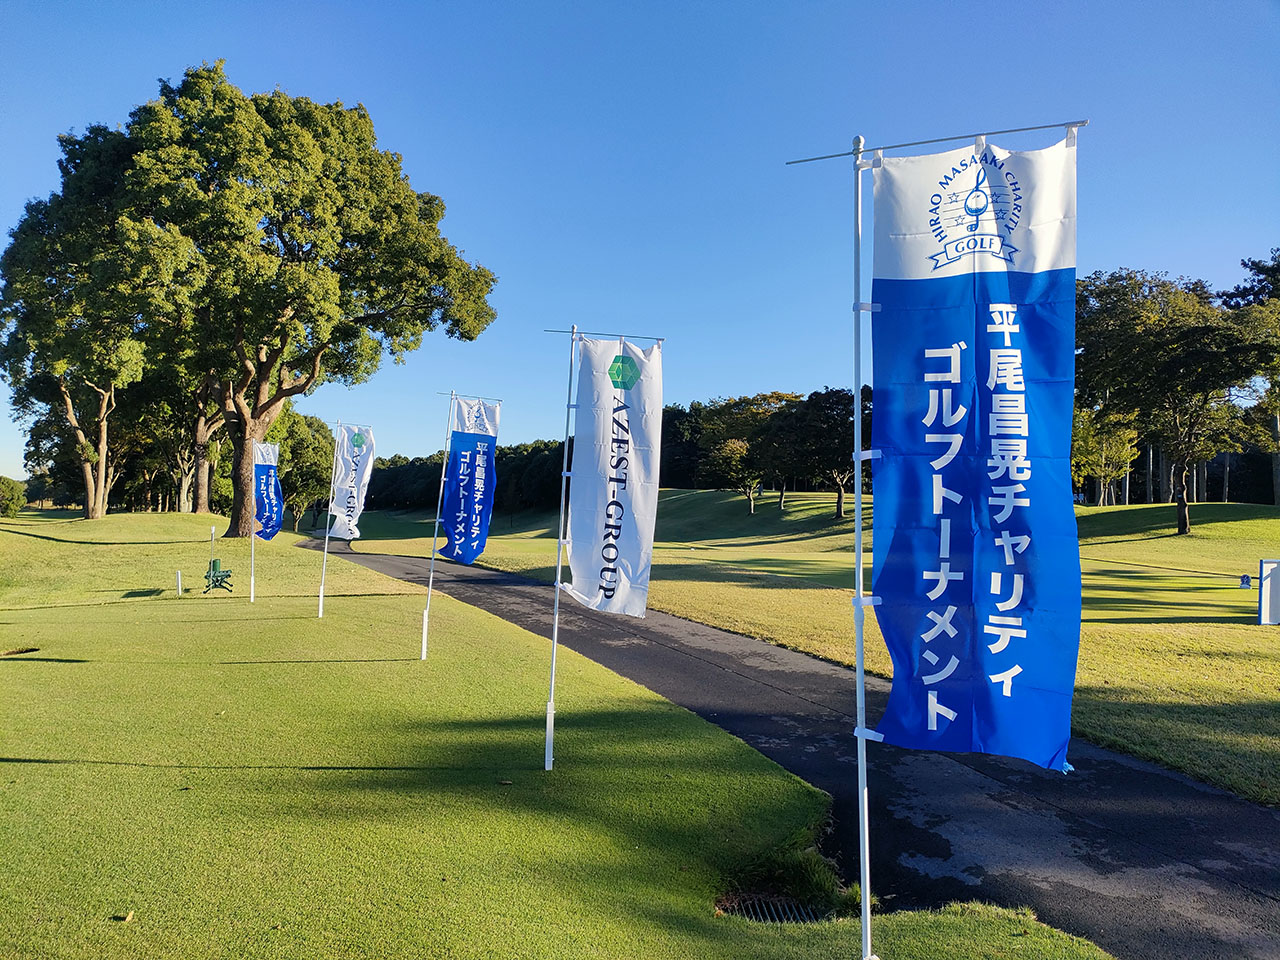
(1233, 744)
(1103, 610)
(653, 791)
(96, 543)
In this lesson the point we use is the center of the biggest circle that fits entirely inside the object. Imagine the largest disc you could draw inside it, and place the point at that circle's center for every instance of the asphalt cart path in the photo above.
(1147, 863)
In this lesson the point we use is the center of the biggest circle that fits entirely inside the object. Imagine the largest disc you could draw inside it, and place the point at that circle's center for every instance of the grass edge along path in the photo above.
(202, 777)
(1173, 667)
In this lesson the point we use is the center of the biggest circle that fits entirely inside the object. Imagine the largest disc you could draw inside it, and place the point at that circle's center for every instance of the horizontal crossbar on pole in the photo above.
(920, 143)
(468, 396)
(611, 336)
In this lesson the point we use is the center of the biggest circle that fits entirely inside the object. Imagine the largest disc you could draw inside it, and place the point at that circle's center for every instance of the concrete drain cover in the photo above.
(763, 908)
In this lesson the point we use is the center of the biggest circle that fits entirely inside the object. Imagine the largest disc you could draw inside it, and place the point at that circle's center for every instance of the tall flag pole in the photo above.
(467, 484)
(328, 517)
(549, 752)
(353, 454)
(268, 502)
(435, 530)
(957, 263)
(612, 503)
(860, 600)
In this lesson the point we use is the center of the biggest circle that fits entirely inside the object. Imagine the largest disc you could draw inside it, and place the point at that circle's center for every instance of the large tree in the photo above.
(316, 257)
(1261, 290)
(1165, 350)
(79, 288)
(822, 437)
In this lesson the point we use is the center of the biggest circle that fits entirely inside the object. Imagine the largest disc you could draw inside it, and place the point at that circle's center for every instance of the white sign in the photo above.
(1269, 592)
(613, 486)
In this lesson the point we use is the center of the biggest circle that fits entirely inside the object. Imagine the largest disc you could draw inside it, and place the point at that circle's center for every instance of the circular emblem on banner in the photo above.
(357, 440)
(975, 211)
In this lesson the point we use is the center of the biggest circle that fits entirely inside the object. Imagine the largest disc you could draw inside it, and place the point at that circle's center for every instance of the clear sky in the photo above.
(621, 166)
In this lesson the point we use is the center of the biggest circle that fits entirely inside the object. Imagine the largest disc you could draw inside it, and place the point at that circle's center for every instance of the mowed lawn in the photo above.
(202, 777)
(1173, 666)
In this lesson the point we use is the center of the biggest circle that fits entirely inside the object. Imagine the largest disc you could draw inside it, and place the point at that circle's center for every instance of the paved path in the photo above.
(1144, 862)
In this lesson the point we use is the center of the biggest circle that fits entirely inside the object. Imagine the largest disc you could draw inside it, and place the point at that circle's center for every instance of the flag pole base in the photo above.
(549, 759)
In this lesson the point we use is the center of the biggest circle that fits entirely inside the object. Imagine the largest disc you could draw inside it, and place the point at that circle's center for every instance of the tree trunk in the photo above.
(89, 498)
(1128, 473)
(1166, 479)
(782, 494)
(1180, 496)
(1151, 474)
(1202, 482)
(840, 501)
(1226, 477)
(243, 436)
(751, 502)
(202, 434)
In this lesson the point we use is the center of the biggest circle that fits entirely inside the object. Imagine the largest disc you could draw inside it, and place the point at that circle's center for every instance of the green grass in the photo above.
(1173, 666)
(250, 781)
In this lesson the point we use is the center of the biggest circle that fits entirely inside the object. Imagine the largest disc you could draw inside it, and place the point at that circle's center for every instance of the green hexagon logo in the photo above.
(624, 372)
(357, 440)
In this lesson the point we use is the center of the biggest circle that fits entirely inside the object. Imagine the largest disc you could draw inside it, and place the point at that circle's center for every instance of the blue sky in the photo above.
(621, 166)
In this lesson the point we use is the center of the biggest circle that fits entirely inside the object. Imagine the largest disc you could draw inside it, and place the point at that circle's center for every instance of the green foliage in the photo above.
(1102, 446)
(306, 460)
(1195, 356)
(730, 463)
(13, 497)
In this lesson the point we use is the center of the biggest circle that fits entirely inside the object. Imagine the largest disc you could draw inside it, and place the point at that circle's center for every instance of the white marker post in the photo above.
(253, 543)
(179, 583)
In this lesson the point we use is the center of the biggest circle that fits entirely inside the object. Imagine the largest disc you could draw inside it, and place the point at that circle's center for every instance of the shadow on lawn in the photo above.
(670, 799)
(1235, 745)
(96, 543)
(1106, 609)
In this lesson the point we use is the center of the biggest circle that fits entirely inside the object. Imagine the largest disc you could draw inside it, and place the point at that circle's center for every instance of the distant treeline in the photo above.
(739, 443)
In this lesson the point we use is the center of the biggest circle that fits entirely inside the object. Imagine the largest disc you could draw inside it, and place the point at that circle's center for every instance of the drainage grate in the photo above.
(763, 908)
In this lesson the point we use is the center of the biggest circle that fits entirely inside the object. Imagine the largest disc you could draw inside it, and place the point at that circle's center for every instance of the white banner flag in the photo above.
(473, 415)
(353, 465)
(613, 490)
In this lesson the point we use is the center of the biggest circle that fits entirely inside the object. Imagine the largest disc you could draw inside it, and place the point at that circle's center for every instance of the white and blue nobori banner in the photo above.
(470, 479)
(268, 501)
(352, 466)
(975, 552)
(613, 486)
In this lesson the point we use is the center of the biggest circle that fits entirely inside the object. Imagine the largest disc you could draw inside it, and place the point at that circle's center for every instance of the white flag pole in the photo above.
(860, 601)
(549, 756)
(253, 538)
(435, 531)
(328, 519)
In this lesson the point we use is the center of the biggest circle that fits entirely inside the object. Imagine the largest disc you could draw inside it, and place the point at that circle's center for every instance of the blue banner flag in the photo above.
(268, 501)
(467, 501)
(976, 558)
